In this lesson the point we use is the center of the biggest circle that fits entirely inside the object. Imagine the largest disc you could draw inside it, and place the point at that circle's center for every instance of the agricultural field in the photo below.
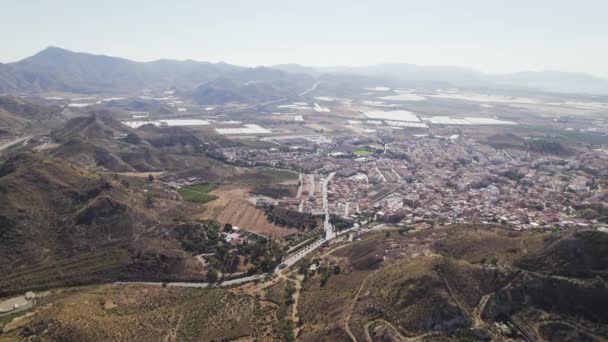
(198, 193)
(265, 176)
(362, 153)
(232, 206)
(395, 115)
(248, 217)
(276, 191)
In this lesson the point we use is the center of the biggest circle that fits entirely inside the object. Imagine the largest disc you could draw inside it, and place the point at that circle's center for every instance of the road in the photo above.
(353, 304)
(297, 256)
(14, 305)
(314, 86)
(381, 174)
(464, 309)
(329, 232)
(301, 183)
(198, 285)
(287, 263)
(311, 188)
(14, 142)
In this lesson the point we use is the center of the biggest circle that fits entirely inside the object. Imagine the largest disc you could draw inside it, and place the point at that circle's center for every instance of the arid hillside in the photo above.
(458, 283)
(56, 215)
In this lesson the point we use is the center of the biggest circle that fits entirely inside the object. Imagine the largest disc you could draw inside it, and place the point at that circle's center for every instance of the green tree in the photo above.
(324, 278)
(149, 201)
(337, 269)
(304, 266)
(125, 183)
(227, 228)
(212, 275)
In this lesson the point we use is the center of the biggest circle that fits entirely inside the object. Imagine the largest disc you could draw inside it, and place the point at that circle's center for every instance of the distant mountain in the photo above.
(555, 81)
(252, 86)
(416, 73)
(55, 69)
(297, 69)
(410, 74)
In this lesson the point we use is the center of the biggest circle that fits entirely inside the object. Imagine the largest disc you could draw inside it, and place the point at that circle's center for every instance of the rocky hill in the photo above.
(52, 211)
(460, 283)
(98, 141)
(18, 113)
(65, 225)
(580, 254)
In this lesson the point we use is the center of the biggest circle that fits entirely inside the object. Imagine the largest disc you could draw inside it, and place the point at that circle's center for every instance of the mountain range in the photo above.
(59, 70)
(55, 69)
(548, 81)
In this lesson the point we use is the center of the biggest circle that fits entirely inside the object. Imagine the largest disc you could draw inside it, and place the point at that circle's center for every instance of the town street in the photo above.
(329, 232)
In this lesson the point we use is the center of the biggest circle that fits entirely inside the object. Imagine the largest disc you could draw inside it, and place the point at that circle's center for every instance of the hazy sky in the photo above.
(490, 35)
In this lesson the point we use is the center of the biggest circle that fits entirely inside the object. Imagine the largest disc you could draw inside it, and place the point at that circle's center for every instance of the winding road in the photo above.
(314, 86)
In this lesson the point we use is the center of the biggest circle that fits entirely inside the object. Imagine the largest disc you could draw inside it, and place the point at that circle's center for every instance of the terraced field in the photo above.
(231, 207)
(198, 193)
(248, 217)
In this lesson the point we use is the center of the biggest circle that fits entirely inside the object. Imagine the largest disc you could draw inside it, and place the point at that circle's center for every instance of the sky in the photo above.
(493, 36)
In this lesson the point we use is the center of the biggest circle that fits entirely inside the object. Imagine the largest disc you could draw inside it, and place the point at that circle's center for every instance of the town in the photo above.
(439, 180)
